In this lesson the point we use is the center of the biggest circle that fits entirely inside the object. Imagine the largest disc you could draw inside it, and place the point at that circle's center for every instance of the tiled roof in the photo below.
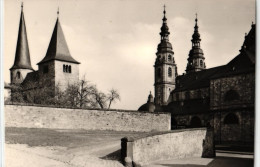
(58, 48)
(31, 80)
(195, 80)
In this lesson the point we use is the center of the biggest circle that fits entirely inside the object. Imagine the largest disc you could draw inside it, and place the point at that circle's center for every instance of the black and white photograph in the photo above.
(129, 83)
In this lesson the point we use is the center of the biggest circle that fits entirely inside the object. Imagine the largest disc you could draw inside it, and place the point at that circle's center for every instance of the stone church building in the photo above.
(221, 97)
(56, 70)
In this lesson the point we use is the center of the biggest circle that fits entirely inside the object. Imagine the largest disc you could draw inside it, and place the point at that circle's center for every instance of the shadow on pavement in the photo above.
(231, 162)
(217, 162)
(182, 165)
(113, 156)
(249, 149)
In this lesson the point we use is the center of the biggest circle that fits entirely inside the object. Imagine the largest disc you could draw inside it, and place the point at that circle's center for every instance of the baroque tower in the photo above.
(165, 69)
(196, 60)
(58, 67)
(22, 63)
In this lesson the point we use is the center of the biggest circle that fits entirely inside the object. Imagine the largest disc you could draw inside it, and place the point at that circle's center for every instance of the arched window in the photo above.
(169, 58)
(195, 122)
(69, 69)
(18, 75)
(169, 71)
(231, 95)
(231, 119)
(159, 72)
(64, 68)
(201, 63)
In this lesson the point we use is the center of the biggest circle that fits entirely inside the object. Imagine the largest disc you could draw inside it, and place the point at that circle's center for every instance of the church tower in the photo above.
(196, 60)
(165, 69)
(22, 63)
(58, 67)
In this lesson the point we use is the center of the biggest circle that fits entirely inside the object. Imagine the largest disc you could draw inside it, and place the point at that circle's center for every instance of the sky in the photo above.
(116, 40)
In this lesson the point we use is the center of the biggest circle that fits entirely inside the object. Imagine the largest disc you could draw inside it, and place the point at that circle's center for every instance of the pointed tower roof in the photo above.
(58, 48)
(22, 54)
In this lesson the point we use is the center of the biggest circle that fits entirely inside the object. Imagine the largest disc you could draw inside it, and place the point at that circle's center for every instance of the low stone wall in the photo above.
(62, 118)
(167, 145)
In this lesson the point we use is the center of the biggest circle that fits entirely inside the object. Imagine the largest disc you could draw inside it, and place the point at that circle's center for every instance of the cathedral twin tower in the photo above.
(165, 67)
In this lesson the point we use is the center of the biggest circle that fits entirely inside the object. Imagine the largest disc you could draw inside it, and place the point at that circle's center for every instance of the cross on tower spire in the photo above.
(58, 12)
(22, 5)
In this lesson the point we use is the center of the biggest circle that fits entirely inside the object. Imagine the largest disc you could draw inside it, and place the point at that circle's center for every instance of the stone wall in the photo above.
(192, 94)
(63, 79)
(168, 145)
(243, 84)
(62, 118)
(47, 79)
(240, 133)
(23, 73)
(185, 119)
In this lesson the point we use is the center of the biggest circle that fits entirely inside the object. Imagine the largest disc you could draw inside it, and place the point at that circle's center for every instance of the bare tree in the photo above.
(84, 91)
(99, 98)
(112, 96)
(16, 93)
(60, 98)
(38, 92)
(81, 94)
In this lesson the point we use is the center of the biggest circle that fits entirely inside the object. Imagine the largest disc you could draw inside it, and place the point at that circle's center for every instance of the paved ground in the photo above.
(78, 148)
(63, 148)
(221, 160)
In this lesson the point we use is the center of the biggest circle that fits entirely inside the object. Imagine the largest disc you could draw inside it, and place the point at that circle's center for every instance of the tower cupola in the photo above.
(165, 45)
(196, 56)
(164, 29)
